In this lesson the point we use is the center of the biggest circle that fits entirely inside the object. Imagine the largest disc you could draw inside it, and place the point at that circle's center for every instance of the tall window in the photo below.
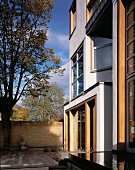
(77, 72)
(102, 53)
(73, 17)
(130, 72)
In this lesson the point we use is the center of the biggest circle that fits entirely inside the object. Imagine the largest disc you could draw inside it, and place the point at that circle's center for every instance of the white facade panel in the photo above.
(100, 118)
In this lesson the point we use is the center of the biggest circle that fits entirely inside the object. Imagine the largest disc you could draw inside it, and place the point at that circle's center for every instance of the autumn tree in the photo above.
(25, 62)
(47, 106)
(20, 113)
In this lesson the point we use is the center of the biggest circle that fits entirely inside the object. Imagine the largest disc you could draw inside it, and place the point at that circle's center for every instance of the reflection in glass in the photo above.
(80, 84)
(80, 66)
(74, 59)
(102, 52)
(107, 159)
(103, 57)
(131, 49)
(131, 65)
(131, 18)
(130, 33)
(131, 112)
(74, 72)
(75, 89)
(80, 52)
(98, 41)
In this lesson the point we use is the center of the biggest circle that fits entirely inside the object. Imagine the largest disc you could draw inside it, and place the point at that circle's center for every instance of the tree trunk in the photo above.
(6, 124)
(6, 105)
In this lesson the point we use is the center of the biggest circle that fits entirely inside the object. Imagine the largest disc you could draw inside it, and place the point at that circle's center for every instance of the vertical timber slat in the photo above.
(121, 76)
(66, 131)
(87, 127)
(76, 132)
(94, 126)
(71, 132)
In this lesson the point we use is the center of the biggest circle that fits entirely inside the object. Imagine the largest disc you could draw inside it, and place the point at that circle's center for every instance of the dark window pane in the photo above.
(130, 4)
(131, 65)
(131, 49)
(74, 72)
(131, 18)
(131, 110)
(80, 66)
(74, 59)
(80, 85)
(75, 89)
(98, 41)
(131, 33)
(80, 52)
(103, 57)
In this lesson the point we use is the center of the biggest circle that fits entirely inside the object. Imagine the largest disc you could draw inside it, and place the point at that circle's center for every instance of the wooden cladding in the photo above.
(80, 127)
(73, 17)
(121, 77)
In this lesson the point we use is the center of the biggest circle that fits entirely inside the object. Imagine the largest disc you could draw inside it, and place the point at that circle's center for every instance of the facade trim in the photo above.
(89, 89)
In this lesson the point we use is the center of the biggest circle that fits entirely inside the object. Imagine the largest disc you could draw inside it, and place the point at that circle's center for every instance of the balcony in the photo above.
(100, 23)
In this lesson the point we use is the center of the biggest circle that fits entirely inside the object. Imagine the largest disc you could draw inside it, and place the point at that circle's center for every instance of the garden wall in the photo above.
(36, 134)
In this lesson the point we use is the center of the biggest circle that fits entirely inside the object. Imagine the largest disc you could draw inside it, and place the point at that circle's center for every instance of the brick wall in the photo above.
(36, 134)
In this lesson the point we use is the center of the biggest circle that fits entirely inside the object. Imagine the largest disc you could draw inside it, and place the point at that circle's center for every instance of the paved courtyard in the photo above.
(26, 159)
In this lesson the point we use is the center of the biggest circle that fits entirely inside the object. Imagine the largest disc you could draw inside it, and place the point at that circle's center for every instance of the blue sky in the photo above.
(58, 39)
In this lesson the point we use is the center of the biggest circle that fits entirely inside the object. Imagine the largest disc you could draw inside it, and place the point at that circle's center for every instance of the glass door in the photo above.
(130, 74)
(131, 113)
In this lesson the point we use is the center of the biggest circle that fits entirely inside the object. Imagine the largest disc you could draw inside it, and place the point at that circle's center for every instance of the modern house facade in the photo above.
(100, 114)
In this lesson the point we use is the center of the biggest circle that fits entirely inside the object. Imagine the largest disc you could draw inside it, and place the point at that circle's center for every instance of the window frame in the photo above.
(73, 81)
(129, 42)
(127, 115)
(130, 76)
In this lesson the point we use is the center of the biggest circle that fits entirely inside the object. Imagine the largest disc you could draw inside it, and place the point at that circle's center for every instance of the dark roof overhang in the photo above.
(100, 24)
(126, 2)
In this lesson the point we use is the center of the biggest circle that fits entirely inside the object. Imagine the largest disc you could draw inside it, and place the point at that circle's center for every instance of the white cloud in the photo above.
(64, 58)
(63, 39)
(58, 40)
(63, 81)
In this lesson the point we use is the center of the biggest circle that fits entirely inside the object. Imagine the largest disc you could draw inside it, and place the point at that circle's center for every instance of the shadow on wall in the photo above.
(36, 134)
(108, 117)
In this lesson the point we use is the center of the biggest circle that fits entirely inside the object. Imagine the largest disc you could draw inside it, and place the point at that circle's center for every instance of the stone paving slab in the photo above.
(25, 159)
(43, 168)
